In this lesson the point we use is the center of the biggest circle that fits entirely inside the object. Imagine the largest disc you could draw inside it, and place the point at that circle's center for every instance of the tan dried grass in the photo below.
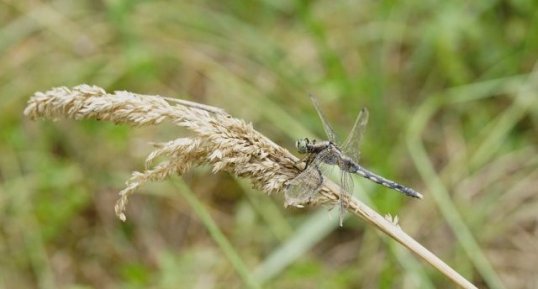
(221, 141)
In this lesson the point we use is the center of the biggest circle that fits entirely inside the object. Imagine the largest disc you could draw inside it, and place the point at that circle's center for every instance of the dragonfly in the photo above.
(302, 189)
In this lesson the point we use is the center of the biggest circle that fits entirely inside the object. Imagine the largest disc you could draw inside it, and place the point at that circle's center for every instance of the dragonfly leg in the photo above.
(308, 160)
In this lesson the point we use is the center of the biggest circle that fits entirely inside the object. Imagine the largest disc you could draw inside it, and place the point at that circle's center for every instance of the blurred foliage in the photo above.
(452, 92)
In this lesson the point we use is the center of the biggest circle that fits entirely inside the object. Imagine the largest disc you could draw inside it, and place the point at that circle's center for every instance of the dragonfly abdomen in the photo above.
(357, 169)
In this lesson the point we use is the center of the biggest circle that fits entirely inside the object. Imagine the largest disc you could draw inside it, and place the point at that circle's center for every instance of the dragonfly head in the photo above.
(302, 145)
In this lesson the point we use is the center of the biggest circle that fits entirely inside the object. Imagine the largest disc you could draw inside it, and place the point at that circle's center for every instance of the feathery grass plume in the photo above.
(226, 143)
(221, 141)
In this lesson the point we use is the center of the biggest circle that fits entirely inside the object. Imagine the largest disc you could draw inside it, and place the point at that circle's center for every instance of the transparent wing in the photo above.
(346, 189)
(328, 129)
(350, 147)
(303, 188)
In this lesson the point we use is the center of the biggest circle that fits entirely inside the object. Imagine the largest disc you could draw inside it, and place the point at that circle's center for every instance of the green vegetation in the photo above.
(452, 90)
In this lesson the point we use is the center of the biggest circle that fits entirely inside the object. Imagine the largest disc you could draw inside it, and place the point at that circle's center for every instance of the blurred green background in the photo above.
(452, 91)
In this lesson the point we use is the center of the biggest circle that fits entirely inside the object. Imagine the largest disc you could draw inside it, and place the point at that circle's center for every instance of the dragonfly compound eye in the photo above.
(301, 146)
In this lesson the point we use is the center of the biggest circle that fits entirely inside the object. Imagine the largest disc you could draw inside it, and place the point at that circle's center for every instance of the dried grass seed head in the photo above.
(226, 143)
